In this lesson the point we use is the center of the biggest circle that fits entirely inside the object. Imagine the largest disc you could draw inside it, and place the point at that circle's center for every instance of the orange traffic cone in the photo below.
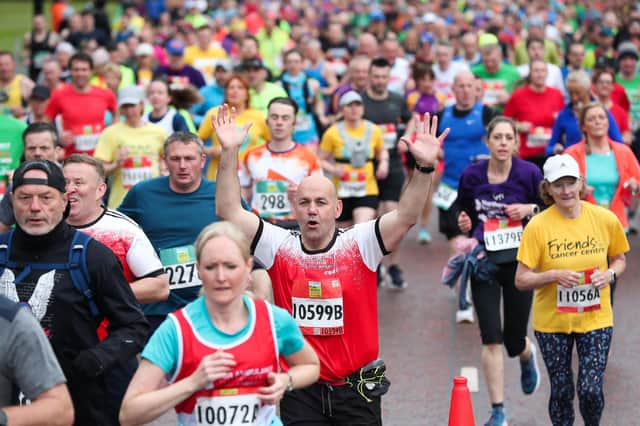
(460, 410)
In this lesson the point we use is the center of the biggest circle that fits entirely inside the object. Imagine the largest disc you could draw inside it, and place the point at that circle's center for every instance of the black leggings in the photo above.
(517, 304)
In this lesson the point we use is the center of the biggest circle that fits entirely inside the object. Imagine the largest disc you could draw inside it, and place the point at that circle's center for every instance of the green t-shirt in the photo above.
(550, 53)
(11, 147)
(260, 101)
(495, 85)
(632, 89)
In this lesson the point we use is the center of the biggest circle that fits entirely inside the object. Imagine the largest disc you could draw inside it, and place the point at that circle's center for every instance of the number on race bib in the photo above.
(273, 202)
(317, 307)
(180, 275)
(227, 410)
(502, 234)
(271, 199)
(180, 265)
(582, 298)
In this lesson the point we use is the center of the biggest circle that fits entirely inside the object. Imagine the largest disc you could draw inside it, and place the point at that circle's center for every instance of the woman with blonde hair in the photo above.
(610, 169)
(221, 352)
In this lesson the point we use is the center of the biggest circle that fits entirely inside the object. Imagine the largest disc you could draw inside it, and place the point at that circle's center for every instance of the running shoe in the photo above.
(530, 374)
(498, 418)
(383, 277)
(465, 316)
(424, 237)
(397, 281)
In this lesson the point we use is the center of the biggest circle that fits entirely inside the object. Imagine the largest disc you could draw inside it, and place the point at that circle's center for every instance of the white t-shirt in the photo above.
(444, 80)
(554, 76)
(127, 240)
(399, 75)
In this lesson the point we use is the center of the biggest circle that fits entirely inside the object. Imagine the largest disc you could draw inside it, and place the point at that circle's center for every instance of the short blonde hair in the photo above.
(223, 229)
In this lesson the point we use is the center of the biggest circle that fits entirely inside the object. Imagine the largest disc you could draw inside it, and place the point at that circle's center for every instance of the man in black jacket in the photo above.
(36, 273)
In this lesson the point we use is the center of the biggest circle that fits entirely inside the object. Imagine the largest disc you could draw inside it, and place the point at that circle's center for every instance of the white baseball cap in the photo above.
(144, 49)
(350, 97)
(559, 166)
(130, 95)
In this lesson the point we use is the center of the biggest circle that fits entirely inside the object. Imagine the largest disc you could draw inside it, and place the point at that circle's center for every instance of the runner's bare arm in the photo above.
(228, 204)
(395, 224)
(151, 289)
(51, 407)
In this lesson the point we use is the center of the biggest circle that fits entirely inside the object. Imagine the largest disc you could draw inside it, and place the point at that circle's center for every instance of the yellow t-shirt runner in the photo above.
(354, 149)
(582, 244)
(204, 61)
(258, 134)
(144, 145)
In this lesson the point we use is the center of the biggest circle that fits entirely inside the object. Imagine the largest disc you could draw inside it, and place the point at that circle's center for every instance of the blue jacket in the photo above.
(566, 129)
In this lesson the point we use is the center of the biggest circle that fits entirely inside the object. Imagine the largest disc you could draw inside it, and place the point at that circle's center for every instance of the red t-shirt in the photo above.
(332, 293)
(619, 97)
(82, 114)
(621, 116)
(538, 108)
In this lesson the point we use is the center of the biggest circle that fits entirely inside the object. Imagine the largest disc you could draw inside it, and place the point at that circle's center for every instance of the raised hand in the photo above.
(426, 145)
(224, 124)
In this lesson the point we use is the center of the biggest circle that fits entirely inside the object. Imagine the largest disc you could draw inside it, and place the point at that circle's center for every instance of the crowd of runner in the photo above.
(231, 153)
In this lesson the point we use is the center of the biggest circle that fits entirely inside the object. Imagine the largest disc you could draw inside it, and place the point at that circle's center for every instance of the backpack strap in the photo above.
(5, 249)
(78, 269)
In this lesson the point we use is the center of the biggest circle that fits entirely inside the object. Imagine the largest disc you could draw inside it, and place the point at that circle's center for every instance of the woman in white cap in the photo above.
(569, 254)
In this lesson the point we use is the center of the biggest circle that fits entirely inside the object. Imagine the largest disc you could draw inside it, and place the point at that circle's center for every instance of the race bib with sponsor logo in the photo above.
(180, 264)
(270, 199)
(317, 307)
(502, 234)
(231, 407)
(389, 135)
(86, 137)
(581, 298)
(135, 170)
(353, 184)
(538, 136)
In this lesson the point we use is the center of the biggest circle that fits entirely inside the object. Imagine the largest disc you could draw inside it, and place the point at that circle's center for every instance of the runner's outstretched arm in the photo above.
(228, 202)
(395, 224)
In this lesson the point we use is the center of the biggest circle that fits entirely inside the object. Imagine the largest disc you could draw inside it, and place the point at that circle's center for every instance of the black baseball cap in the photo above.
(40, 92)
(54, 179)
(254, 63)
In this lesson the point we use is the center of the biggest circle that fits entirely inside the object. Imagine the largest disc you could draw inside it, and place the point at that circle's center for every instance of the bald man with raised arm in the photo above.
(326, 276)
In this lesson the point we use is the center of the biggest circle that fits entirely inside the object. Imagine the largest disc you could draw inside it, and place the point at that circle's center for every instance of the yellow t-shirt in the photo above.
(552, 241)
(258, 134)
(145, 145)
(355, 182)
(204, 61)
(13, 91)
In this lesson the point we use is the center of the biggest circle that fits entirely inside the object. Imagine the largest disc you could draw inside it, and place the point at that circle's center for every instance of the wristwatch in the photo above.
(3, 418)
(290, 385)
(535, 209)
(425, 169)
(614, 276)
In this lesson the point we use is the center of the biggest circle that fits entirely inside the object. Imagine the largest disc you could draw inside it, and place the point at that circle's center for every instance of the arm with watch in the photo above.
(395, 224)
(601, 279)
